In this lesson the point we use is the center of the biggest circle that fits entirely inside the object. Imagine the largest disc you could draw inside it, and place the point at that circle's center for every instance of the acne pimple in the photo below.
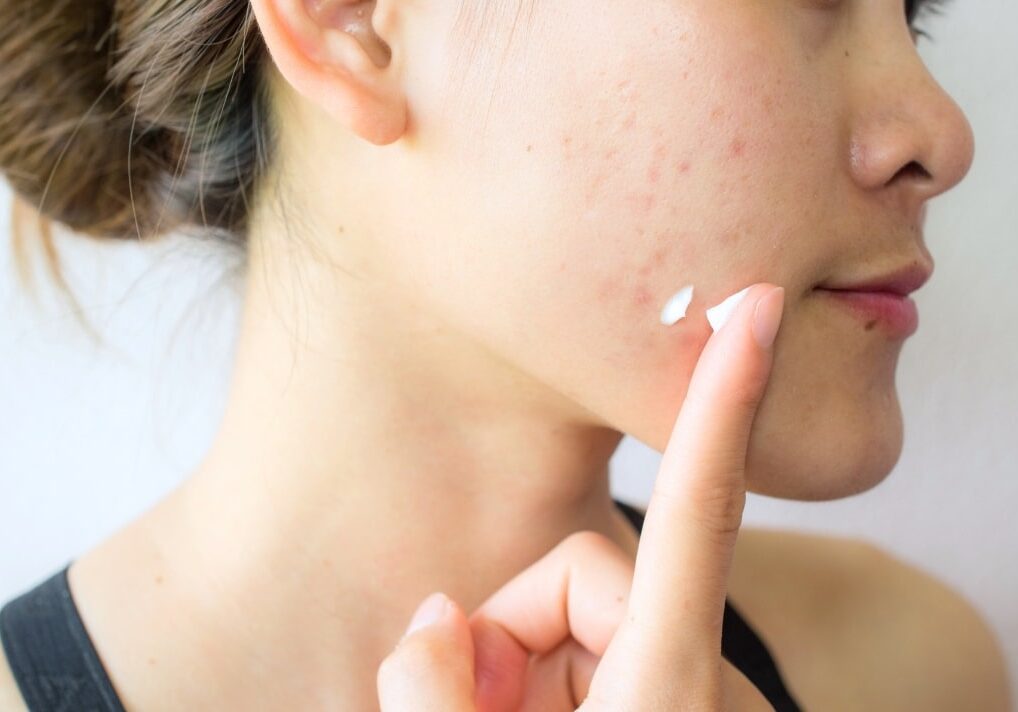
(642, 297)
(738, 147)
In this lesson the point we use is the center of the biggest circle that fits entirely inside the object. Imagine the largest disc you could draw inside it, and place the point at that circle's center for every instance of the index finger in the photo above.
(680, 579)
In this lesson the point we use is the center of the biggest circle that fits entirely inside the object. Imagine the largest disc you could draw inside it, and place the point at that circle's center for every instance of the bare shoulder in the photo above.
(10, 696)
(856, 627)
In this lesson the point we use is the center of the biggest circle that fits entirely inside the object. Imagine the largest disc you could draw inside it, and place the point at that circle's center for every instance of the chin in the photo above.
(825, 458)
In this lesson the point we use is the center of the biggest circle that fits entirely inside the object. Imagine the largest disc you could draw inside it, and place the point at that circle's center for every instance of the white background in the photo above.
(91, 434)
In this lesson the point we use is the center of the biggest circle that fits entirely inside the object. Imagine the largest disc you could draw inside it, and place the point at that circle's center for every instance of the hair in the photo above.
(132, 118)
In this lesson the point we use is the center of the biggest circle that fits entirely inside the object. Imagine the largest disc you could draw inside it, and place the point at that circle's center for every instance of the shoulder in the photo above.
(10, 696)
(844, 608)
(941, 636)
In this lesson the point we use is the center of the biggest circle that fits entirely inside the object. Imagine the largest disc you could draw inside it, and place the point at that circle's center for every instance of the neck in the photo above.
(369, 454)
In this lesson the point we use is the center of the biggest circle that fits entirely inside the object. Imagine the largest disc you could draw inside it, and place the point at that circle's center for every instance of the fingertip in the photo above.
(767, 317)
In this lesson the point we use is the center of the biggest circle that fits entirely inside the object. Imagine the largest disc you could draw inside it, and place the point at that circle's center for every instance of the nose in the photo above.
(910, 139)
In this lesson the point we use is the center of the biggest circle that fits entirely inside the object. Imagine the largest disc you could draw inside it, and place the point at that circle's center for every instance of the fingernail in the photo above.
(718, 315)
(767, 317)
(431, 610)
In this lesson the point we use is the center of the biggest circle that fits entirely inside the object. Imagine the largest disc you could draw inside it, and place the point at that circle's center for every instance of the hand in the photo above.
(586, 626)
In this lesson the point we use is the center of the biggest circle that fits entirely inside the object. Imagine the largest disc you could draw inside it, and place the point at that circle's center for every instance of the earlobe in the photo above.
(330, 53)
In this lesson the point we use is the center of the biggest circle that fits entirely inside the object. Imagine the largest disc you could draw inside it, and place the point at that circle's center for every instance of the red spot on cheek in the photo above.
(738, 147)
(683, 166)
(655, 261)
(642, 297)
(653, 173)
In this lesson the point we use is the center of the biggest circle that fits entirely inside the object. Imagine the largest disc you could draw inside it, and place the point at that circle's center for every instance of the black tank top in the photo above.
(58, 669)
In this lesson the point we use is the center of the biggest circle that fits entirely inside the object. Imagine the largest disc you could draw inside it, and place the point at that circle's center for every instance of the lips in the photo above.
(901, 282)
(895, 314)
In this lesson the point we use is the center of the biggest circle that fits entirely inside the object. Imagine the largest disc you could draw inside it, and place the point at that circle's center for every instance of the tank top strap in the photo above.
(50, 653)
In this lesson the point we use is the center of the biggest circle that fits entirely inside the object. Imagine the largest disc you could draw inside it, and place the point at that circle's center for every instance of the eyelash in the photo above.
(915, 9)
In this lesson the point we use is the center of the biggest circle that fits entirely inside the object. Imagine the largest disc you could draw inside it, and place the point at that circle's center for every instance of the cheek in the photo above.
(671, 189)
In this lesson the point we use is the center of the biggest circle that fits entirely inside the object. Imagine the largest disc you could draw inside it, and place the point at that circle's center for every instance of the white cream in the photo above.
(676, 307)
(718, 315)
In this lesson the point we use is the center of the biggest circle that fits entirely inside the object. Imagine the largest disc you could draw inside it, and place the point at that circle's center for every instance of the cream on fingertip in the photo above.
(720, 314)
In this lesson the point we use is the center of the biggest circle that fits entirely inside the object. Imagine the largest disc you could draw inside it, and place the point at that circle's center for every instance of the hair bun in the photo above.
(131, 117)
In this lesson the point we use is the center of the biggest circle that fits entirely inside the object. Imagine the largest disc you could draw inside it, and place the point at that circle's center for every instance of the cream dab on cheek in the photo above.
(676, 307)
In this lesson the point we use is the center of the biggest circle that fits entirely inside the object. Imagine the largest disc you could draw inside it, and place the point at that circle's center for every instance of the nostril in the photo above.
(914, 168)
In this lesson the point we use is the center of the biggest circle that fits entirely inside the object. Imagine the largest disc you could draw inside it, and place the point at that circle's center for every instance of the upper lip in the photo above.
(901, 281)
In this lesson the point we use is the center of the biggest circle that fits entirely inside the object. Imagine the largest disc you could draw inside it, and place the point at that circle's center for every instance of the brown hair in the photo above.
(132, 118)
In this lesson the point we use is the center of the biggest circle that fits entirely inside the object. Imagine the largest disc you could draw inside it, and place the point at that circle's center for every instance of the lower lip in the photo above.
(897, 314)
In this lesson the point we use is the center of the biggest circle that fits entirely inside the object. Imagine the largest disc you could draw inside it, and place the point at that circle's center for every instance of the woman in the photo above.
(462, 221)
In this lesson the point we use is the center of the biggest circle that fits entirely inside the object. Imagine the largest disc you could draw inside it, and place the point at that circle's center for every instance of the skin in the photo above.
(451, 311)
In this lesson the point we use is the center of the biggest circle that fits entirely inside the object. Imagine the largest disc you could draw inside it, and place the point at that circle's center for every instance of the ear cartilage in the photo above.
(676, 307)
(718, 315)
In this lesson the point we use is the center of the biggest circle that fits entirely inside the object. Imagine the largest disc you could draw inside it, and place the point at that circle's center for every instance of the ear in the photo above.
(329, 52)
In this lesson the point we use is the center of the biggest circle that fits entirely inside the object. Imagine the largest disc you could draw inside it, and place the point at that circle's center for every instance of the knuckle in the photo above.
(586, 542)
(720, 512)
(716, 507)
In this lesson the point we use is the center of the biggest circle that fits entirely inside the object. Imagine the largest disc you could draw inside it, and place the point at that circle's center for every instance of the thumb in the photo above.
(432, 667)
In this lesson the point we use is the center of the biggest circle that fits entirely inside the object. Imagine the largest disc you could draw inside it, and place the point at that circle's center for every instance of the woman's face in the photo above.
(568, 166)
